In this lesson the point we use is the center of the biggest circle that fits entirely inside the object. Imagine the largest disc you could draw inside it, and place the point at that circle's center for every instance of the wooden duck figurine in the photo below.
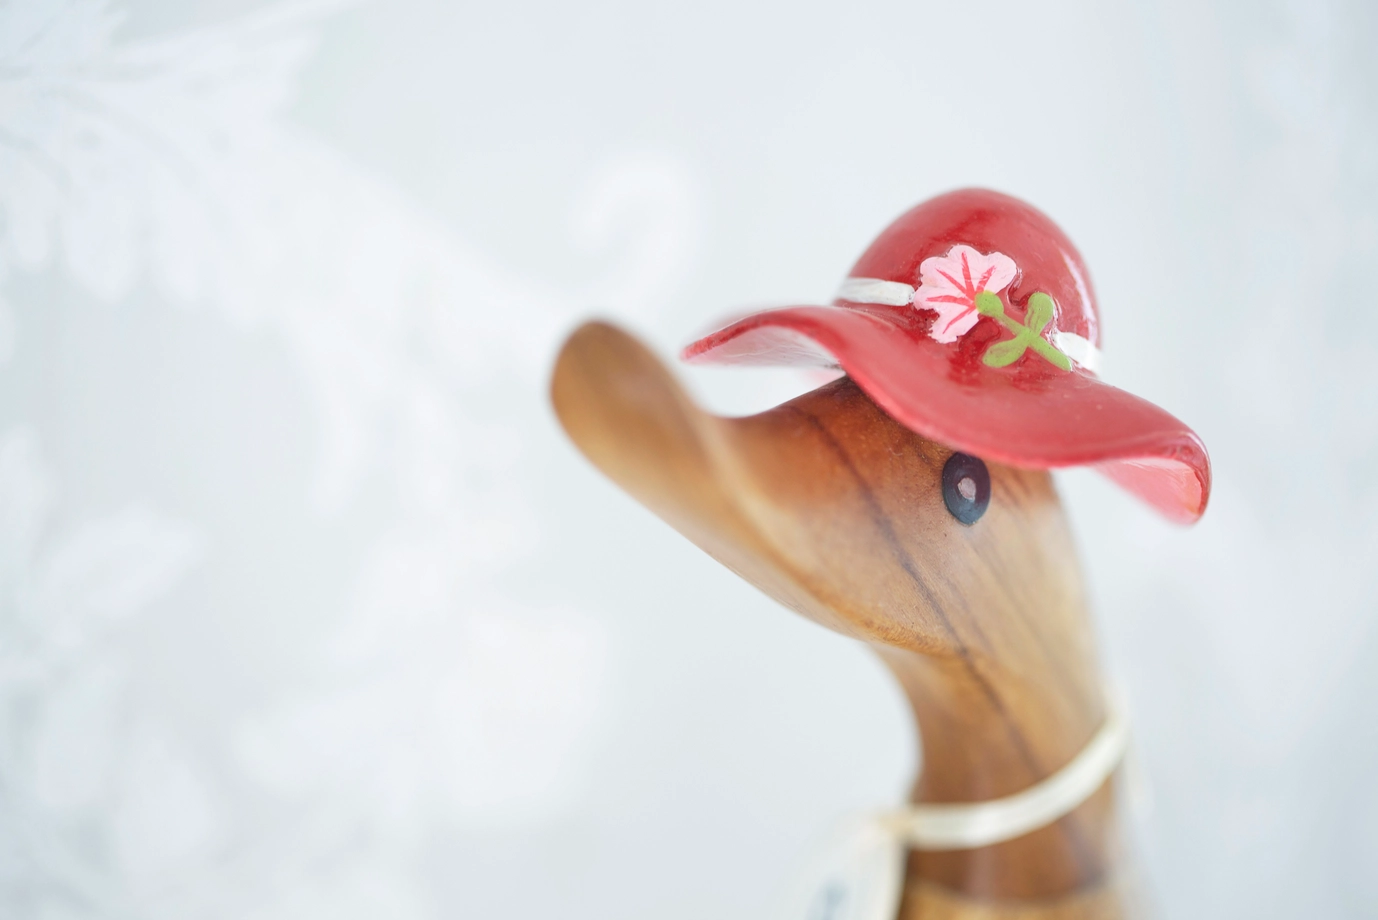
(909, 505)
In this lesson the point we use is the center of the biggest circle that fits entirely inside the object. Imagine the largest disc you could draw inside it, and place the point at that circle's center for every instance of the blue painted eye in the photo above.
(966, 487)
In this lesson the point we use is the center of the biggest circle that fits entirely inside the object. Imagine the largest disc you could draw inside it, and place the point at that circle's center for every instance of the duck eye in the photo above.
(966, 487)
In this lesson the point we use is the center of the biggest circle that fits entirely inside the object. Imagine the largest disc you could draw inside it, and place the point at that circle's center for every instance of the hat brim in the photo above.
(1033, 416)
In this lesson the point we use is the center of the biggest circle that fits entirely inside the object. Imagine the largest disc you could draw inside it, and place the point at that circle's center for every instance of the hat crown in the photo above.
(990, 223)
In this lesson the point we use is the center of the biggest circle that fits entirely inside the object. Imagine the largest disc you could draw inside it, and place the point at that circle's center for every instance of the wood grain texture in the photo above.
(836, 511)
(1112, 900)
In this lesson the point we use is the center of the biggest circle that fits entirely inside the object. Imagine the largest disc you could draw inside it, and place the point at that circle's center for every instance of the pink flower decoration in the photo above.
(949, 284)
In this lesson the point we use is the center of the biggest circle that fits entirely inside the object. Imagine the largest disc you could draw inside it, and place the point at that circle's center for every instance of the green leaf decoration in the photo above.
(1028, 334)
(1040, 312)
(1055, 356)
(988, 304)
(1002, 354)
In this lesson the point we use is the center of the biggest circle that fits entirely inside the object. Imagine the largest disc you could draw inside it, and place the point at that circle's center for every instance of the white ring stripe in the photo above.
(1079, 349)
(897, 294)
(963, 826)
(874, 290)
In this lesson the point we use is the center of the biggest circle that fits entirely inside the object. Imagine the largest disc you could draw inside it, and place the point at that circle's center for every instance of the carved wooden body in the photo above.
(835, 510)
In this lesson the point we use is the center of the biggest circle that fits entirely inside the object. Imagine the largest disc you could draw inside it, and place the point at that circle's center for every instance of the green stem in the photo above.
(1050, 351)
(1013, 325)
(988, 304)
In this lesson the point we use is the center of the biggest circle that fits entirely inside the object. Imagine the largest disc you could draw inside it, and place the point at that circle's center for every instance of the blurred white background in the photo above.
(307, 609)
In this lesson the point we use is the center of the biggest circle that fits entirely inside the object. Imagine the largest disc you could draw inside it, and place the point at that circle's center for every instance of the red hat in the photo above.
(971, 321)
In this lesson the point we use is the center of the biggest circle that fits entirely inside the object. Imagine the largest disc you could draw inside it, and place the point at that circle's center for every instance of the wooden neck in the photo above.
(990, 730)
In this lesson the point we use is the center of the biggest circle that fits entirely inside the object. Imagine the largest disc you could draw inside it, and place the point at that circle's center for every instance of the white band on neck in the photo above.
(965, 826)
(862, 876)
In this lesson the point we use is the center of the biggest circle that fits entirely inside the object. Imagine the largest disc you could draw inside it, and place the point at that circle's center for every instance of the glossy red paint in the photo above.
(1030, 413)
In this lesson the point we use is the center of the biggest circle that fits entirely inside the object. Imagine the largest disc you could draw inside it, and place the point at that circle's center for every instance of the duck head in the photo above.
(828, 505)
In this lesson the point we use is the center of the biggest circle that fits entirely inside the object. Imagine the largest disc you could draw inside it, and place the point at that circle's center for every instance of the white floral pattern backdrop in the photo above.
(306, 609)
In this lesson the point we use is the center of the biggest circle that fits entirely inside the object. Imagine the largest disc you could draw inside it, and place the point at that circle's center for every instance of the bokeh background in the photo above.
(307, 610)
